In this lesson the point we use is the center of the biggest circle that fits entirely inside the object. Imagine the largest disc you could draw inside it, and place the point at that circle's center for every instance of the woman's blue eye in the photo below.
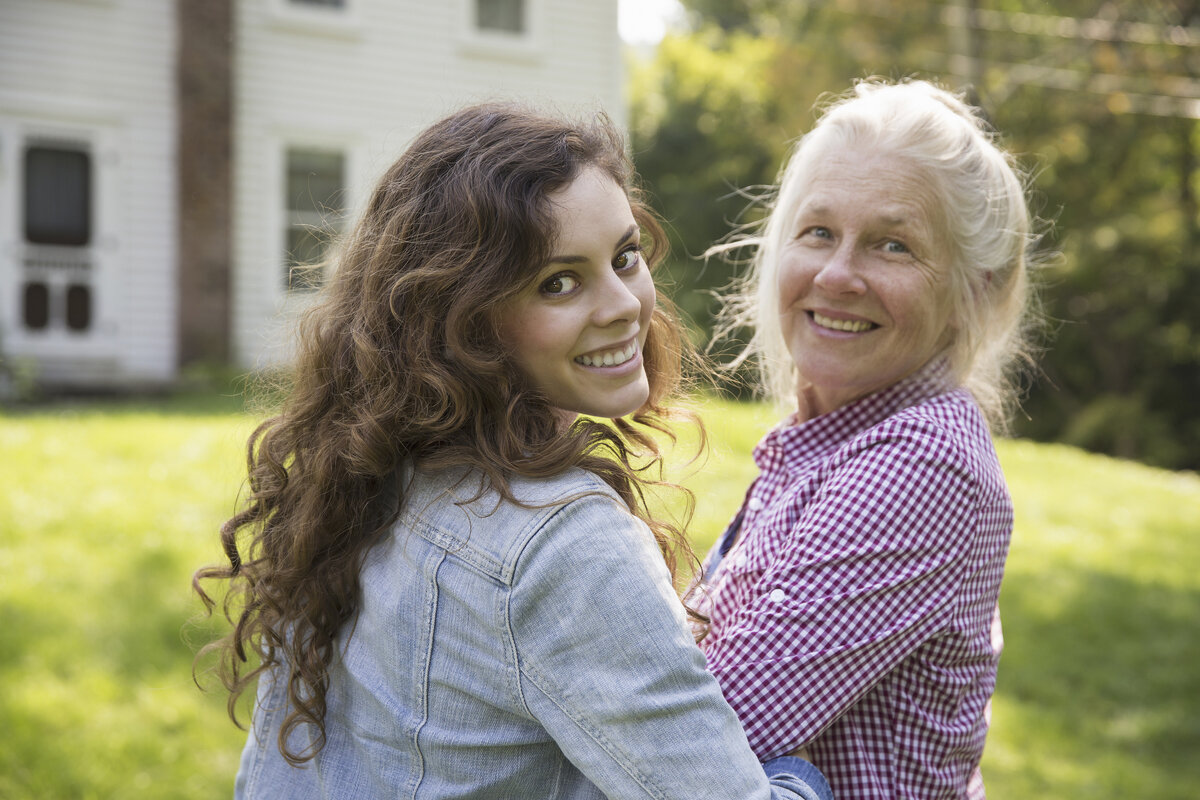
(895, 247)
(559, 284)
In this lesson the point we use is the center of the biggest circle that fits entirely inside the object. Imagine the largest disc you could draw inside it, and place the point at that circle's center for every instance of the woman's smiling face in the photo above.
(577, 332)
(863, 280)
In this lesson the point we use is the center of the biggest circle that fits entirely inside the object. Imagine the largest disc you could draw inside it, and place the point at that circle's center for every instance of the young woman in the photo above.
(444, 580)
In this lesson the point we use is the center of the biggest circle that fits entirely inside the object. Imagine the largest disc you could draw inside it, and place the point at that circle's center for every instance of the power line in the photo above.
(1121, 93)
(1093, 29)
(1096, 29)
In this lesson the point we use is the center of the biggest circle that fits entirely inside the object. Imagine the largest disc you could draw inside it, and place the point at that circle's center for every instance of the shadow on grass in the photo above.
(99, 692)
(1111, 664)
(183, 404)
(134, 631)
(205, 393)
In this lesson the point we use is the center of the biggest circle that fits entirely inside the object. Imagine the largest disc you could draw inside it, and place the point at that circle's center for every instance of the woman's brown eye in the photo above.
(559, 284)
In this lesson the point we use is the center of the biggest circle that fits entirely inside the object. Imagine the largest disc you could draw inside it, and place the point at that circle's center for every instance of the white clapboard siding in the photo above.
(364, 81)
(100, 72)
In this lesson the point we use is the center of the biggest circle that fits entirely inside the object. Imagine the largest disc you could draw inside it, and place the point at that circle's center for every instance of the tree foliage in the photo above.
(1099, 100)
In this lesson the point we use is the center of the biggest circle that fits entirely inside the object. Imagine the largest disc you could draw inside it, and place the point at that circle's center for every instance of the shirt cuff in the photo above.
(800, 776)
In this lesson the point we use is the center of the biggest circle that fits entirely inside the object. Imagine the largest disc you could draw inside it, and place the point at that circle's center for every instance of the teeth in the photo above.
(610, 359)
(852, 326)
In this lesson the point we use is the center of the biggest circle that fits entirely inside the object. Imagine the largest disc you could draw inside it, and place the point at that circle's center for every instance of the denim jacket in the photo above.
(510, 652)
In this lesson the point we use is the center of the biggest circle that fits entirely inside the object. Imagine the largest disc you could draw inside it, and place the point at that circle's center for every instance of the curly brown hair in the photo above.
(401, 363)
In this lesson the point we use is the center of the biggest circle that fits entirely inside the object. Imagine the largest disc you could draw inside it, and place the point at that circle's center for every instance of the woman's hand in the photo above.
(801, 752)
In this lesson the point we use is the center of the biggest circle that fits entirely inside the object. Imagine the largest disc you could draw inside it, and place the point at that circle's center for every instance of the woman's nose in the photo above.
(840, 273)
(616, 302)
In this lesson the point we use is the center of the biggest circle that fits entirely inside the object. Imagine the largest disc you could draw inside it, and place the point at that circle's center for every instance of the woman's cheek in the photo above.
(791, 284)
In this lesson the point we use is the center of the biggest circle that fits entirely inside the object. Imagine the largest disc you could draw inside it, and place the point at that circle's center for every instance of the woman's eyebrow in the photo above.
(625, 237)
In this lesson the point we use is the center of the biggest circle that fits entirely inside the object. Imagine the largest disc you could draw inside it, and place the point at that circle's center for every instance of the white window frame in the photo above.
(99, 339)
(342, 22)
(526, 47)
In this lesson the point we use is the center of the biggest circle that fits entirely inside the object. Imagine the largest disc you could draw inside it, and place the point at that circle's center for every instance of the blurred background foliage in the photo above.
(1099, 101)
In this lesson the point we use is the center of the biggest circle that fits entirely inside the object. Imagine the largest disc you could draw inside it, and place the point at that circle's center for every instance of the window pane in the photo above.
(305, 256)
(305, 277)
(500, 15)
(36, 306)
(57, 196)
(79, 307)
(315, 181)
(315, 205)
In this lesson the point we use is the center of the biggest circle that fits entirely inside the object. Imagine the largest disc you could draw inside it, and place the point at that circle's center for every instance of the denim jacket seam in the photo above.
(593, 733)
(538, 523)
(448, 541)
(511, 658)
(450, 538)
(260, 757)
(536, 518)
(533, 527)
(430, 625)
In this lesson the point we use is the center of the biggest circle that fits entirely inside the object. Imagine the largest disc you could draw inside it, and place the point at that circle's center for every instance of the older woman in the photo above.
(853, 600)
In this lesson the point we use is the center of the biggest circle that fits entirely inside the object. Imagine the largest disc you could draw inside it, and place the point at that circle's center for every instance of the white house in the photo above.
(165, 163)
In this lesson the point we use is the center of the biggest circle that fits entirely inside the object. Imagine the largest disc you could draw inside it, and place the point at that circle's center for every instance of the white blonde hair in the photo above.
(981, 194)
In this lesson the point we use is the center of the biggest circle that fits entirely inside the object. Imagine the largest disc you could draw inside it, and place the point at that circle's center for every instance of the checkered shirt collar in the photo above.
(794, 443)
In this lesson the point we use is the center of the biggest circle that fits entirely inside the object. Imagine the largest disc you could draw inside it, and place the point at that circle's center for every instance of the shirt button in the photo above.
(755, 504)
(740, 559)
(776, 596)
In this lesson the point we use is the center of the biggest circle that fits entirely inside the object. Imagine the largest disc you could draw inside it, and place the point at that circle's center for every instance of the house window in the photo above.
(58, 196)
(316, 188)
(324, 18)
(36, 306)
(504, 16)
(79, 307)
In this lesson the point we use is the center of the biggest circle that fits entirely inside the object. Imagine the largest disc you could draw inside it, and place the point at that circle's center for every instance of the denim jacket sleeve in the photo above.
(607, 665)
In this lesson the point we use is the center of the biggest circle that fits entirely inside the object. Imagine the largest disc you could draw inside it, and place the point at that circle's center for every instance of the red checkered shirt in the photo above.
(856, 612)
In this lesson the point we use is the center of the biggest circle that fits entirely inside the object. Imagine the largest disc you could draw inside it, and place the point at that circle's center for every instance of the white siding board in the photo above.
(396, 67)
(104, 70)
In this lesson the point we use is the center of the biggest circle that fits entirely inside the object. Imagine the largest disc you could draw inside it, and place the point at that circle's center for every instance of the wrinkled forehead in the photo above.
(890, 185)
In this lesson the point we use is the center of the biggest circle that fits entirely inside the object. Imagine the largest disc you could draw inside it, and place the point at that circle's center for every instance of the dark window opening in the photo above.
(506, 16)
(36, 306)
(58, 196)
(79, 307)
(316, 187)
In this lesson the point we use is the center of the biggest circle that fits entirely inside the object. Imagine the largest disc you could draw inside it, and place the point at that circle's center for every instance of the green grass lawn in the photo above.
(108, 508)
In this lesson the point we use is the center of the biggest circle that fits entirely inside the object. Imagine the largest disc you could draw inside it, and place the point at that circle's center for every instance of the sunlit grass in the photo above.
(107, 510)
(1099, 695)
(105, 515)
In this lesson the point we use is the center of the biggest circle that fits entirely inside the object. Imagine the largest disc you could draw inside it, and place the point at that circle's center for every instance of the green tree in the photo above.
(1100, 101)
(706, 132)
(1115, 147)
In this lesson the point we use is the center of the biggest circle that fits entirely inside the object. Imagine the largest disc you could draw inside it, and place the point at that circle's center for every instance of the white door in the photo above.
(52, 272)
